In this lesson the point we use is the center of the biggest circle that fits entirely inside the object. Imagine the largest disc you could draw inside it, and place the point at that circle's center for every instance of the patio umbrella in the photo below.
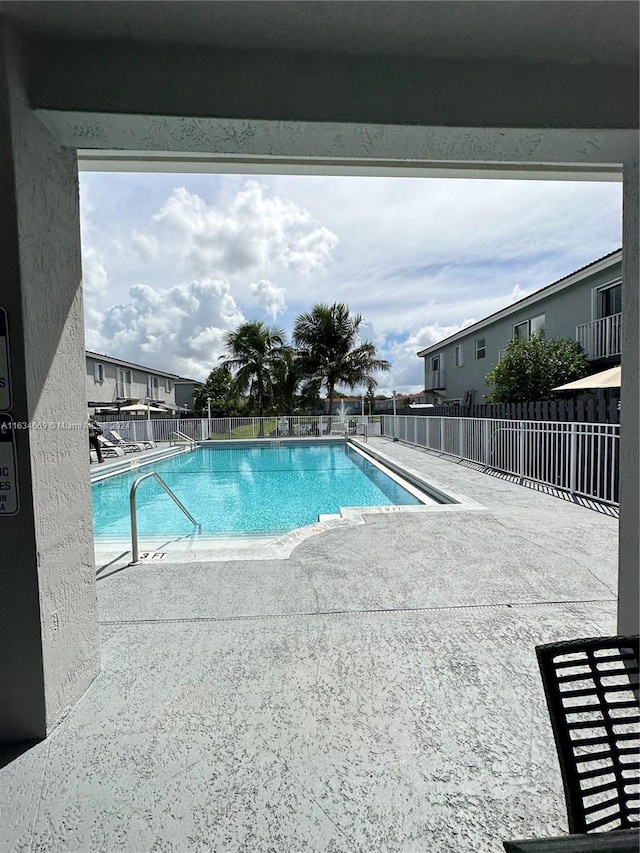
(609, 378)
(140, 407)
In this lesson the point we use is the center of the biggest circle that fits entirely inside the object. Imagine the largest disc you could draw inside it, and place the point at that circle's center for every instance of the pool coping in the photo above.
(441, 494)
(136, 460)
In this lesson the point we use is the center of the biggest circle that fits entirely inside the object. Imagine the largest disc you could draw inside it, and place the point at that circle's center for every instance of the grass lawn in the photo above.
(246, 431)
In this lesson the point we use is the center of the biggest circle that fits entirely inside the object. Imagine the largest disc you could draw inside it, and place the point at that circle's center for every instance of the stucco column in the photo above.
(48, 619)
(629, 558)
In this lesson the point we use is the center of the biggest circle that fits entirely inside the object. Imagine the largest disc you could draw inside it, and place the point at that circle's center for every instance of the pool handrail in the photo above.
(134, 518)
(188, 438)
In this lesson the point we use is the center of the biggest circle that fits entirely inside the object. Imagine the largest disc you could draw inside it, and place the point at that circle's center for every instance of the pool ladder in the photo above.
(192, 442)
(135, 559)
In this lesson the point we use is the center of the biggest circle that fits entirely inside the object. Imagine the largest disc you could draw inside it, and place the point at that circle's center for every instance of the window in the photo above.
(459, 355)
(98, 372)
(153, 387)
(481, 349)
(521, 331)
(536, 325)
(124, 383)
(168, 386)
(435, 376)
(609, 301)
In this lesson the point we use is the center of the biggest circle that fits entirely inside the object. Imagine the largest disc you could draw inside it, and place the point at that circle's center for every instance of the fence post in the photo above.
(487, 443)
(441, 435)
(460, 438)
(573, 461)
(521, 442)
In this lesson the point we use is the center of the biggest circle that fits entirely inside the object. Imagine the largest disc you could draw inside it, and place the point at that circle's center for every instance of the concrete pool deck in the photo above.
(376, 690)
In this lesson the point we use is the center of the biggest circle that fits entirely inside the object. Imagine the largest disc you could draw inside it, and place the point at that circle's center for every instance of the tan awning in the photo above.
(610, 378)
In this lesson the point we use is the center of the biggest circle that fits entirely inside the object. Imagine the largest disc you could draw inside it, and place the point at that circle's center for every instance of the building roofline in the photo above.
(112, 360)
(566, 281)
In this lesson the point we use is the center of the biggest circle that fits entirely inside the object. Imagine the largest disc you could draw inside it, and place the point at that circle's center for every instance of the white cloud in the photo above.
(269, 297)
(180, 330)
(256, 231)
(87, 210)
(95, 281)
(96, 294)
(146, 245)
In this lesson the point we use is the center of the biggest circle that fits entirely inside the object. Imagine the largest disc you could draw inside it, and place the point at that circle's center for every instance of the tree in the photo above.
(285, 377)
(328, 337)
(254, 350)
(370, 397)
(222, 392)
(531, 369)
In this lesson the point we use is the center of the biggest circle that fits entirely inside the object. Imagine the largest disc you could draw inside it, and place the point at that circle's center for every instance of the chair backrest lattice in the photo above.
(591, 687)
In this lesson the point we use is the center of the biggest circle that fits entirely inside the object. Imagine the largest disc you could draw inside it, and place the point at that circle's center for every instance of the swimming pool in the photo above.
(268, 489)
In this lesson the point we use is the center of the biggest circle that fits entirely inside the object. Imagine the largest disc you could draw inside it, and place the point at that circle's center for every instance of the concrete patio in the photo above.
(376, 690)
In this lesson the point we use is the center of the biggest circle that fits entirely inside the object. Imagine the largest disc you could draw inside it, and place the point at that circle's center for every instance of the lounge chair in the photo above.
(142, 444)
(108, 448)
(127, 446)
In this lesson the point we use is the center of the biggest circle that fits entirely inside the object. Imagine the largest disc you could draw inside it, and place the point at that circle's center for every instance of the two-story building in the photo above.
(585, 305)
(114, 384)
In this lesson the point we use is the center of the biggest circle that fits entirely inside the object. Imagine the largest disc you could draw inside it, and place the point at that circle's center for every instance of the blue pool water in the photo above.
(244, 491)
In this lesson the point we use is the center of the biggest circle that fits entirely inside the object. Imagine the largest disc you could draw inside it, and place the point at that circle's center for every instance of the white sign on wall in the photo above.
(8, 473)
(5, 379)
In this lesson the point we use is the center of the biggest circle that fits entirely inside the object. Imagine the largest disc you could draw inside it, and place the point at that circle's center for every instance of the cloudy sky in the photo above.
(172, 262)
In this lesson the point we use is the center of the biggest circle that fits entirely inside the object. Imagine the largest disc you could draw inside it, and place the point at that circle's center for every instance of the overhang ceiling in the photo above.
(526, 30)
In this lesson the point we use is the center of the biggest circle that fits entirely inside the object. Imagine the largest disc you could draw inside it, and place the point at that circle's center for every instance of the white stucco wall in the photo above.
(629, 554)
(48, 605)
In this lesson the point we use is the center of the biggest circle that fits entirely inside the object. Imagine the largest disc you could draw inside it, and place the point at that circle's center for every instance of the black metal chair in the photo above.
(592, 693)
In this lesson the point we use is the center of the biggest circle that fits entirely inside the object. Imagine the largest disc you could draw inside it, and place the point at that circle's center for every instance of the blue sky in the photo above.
(172, 262)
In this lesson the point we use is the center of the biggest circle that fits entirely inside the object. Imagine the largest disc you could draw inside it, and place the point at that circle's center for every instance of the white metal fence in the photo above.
(580, 458)
(203, 429)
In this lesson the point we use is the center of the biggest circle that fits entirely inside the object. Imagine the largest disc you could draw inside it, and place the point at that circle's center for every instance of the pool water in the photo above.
(235, 491)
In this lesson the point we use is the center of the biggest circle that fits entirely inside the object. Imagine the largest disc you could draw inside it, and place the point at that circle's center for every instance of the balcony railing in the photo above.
(131, 390)
(435, 380)
(601, 338)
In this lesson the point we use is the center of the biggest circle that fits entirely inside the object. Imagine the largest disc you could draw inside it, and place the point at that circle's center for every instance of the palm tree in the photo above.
(294, 392)
(254, 349)
(329, 337)
(286, 376)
